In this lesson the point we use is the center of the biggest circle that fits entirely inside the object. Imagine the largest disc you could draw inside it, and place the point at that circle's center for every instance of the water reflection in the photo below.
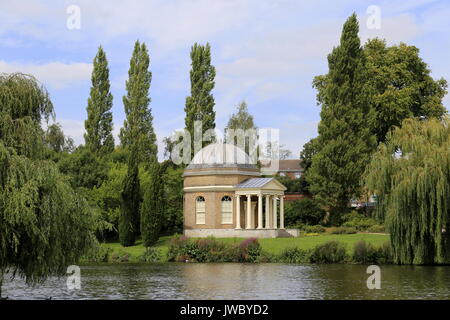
(241, 281)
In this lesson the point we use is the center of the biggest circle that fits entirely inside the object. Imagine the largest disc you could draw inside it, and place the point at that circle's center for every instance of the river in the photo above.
(240, 281)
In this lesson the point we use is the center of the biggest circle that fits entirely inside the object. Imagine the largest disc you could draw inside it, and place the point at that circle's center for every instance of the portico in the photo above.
(258, 201)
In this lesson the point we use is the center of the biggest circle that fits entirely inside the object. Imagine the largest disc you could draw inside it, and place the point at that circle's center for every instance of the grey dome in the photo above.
(221, 155)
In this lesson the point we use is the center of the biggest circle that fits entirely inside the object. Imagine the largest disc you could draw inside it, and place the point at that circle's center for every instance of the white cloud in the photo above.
(395, 29)
(56, 74)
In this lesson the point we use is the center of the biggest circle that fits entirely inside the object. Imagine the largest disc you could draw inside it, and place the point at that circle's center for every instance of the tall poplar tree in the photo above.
(344, 142)
(152, 208)
(138, 126)
(99, 126)
(200, 104)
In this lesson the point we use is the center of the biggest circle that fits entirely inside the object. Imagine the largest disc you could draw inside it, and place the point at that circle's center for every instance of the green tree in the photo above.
(99, 126)
(152, 208)
(130, 202)
(24, 104)
(56, 140)
(400, 86)
(45, 225)
(173, 213)
(84, 168)
(241, 120)
(309, 150)
(410, 175)
(345, 142)
(138, 126)
(304, 211)
(200, 104)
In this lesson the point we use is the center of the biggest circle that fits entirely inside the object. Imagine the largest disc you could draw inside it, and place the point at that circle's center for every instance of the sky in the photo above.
(266, 52)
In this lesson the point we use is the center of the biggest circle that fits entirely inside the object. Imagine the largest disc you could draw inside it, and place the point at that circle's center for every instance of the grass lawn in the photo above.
(271, 245)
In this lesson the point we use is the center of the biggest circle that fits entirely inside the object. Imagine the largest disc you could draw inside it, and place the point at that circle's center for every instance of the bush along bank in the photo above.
(182, 249)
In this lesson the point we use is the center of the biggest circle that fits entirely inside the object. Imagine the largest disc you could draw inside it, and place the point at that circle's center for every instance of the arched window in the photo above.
(227, 210)
(200, 211)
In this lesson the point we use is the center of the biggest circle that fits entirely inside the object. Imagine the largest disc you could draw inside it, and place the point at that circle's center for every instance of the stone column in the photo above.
(238, 212)
(248, 219)
(260, 214)
(267, 211)
(275, 223)
(282, 212)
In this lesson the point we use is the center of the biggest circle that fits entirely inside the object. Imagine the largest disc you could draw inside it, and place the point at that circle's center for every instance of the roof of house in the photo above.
(290, 165)
(263, 183)
(286, 165)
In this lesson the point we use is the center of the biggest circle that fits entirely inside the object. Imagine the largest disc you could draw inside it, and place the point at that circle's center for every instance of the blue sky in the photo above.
(266, 52)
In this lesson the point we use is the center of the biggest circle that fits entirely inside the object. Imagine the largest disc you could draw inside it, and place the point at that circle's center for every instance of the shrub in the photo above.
(358, 221)
(150, 255)
(377, 229)
(120, 256)
(314, 229)
(177, 246)
(295, 255)
(266, 257)
(97, 254)
(329, 252)
(305, 211)
(385, 254)
(365, 253)
(251, 249)
(342, 230)
(182, 249)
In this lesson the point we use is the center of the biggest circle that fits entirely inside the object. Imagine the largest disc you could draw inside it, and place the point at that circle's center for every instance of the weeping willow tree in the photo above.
(410, 174)
(44, 225)
(24, 103)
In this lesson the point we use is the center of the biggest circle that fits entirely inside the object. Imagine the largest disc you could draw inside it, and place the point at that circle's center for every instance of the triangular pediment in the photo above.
(274, 184)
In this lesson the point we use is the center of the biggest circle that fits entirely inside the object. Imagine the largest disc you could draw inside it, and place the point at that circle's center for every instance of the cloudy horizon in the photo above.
(265, 52)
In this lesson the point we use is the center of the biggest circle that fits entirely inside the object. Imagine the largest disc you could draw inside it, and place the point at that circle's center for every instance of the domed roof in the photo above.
(221, 155)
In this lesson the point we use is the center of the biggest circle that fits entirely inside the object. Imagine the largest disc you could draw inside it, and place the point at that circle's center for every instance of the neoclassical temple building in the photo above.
(225, 196)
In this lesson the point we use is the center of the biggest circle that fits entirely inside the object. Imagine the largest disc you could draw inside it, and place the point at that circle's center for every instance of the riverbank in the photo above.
(113, 252)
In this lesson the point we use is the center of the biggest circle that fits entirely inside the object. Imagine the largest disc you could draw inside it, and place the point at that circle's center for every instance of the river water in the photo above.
(240, 281)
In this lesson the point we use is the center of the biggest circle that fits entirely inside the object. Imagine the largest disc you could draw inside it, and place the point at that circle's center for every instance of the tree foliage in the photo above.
(344, 142)
(138, 126)
(309, 150)
(24, 102)
(304, 211)
(237, 125)
(130, 202)
(99, 125)
(400, 86)
(173, 213)
(44, 224)
(56, 140)
(152, 208)
(84, 168)
(242, 119)
(410, 174)
(200, 104)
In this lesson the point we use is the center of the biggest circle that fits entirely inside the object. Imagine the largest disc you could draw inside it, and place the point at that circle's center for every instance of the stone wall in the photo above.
(230, 233)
